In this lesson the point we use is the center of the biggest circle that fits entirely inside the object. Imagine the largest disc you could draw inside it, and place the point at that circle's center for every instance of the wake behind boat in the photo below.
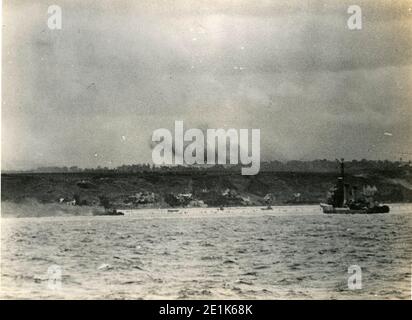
(344, 199)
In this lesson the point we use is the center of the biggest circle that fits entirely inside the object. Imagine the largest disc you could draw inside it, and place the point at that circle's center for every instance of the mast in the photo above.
(344, 185)
(340, 192)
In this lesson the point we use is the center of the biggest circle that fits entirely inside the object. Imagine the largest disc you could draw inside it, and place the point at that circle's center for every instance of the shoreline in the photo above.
(30, 210)
(405, 206)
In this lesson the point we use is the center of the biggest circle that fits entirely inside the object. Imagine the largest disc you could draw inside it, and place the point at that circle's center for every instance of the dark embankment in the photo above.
(161, 189)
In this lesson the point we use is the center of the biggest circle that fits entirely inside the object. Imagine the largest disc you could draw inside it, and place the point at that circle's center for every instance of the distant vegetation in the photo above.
(271, 166)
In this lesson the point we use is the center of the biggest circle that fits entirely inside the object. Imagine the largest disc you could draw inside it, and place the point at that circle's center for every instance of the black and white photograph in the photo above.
(206, 150)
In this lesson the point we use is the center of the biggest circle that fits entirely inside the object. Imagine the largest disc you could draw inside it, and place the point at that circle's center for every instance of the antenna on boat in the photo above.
(341, 192)
(342, 169)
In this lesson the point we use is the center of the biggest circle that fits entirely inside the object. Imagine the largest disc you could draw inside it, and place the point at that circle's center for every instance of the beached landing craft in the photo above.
(108, 212)
(343, 199)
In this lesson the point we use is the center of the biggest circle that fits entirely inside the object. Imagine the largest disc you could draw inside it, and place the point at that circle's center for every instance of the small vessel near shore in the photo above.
(344, 199)
(106, 212)
(267, 208)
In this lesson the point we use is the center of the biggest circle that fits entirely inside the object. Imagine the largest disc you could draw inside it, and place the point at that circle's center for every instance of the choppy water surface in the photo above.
(223, 255)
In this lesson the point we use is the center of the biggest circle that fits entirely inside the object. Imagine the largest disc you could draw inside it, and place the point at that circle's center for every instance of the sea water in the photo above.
(208, 254)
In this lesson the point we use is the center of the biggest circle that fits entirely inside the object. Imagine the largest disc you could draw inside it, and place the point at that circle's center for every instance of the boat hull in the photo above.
(329, 209)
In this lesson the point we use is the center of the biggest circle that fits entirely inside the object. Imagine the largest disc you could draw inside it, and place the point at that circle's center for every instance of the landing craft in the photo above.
(344, 199)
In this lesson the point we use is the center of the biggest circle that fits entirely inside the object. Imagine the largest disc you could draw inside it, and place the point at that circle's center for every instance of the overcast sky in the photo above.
(93, 92)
